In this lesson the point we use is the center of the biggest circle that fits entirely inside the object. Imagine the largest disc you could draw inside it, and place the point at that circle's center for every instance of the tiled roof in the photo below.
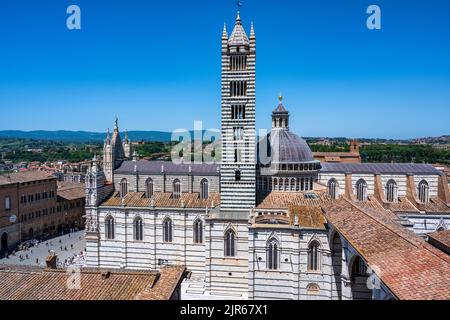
(283, 200)
(381, 168)
(26, 176)
(171, 276)
(238, 36)
(71, 191)
(443, 237)
(308, 217)
(156, 167)
(163, 200)
(32, 283)
(411, 268)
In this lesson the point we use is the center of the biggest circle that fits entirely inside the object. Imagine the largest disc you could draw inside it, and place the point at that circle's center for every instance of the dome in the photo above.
(287, 147)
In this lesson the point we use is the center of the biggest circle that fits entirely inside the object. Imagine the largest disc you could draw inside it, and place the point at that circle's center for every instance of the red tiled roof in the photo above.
(411, 268)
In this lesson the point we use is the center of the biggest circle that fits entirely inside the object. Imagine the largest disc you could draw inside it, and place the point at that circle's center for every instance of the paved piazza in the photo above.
(74, 242)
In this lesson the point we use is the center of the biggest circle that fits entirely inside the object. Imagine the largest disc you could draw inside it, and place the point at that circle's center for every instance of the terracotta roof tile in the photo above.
(410, 267)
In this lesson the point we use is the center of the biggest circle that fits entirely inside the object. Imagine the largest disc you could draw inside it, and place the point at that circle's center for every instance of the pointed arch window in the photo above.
(314, 256)
(332, 188)
(230, 245)
(123, 187)
(424, 191)
(176, 189)
(361, 190)
(359, 267)
(138, 227)
(204, 189)
(273, 256)
(149, 188)
(391, 191)
(109, 228)
(167, 230)
(198, 231)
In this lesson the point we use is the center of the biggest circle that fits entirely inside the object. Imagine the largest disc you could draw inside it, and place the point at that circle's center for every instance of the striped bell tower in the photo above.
(238, 173)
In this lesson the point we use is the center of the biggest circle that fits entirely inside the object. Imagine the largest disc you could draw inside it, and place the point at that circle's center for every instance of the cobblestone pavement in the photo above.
(41, 251)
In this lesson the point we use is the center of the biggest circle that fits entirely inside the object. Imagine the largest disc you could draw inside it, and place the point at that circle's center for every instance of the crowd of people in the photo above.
(24, 251)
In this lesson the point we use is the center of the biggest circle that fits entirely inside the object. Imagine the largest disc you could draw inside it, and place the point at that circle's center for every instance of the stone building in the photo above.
(282, 225)
(33, 204)
(352, 156)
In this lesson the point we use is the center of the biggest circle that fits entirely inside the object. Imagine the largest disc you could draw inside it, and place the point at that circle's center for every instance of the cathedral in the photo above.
(269, 221)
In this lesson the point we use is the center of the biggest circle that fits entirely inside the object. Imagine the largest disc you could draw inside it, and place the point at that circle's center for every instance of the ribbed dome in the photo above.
(287, 147)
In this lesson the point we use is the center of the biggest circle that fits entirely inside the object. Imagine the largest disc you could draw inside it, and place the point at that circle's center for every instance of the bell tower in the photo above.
(238, 173)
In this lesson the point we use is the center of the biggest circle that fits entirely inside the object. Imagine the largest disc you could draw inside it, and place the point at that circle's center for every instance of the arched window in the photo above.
(359, 267)
(275, 184)
(332, 188)
(123, 187)
(204, 189)
(361, 190)
(273, 257)
(198, 231)
(292, 187)
(109, 228)
(314, 256)
(7, 203)
(167, 230)
(391, 191)
(149, 188)
(138, 227)
(237, 175)
(423, 191)
(230, 246)
(176, 189)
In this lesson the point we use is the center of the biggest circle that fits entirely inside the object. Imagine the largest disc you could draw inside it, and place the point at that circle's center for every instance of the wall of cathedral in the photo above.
(164, 182)
(422, 224)
(400, 179)
(226, 274)
(292, 280)
(152, 252)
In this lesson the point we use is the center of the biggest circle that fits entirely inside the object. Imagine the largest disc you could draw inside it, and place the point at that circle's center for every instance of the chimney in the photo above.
(51, 261)
(106, 275)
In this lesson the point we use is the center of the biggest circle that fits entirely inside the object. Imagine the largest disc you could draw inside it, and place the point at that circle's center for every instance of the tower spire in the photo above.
(116, 126)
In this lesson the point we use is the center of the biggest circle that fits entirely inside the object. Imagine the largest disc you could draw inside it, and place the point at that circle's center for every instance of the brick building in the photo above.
(33, 204)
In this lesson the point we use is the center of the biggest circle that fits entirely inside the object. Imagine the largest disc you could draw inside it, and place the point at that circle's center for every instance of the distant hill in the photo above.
(83, 136)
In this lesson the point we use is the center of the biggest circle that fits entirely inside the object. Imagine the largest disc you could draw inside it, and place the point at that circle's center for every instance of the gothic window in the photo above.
(237, 155)
(7, 203)
(361, 190)
(237, 175)
(123, 187)
(198, 231)
(314, 256)
(424, 191)
(138, 229)
(204, 189)
(391, 191)
(167, 230)
(176, 192)
(238, 133)
(359, 267)
(238, 112)
(273, 256)
(238, 62)
(332, 188)
(109, 228)
(230, 246)
(238, 88)
(149, 188)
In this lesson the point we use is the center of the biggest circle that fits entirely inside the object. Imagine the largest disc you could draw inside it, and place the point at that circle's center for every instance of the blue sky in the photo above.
(156, 64)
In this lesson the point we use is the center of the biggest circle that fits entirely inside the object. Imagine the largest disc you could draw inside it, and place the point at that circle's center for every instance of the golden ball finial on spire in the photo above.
(280, 97)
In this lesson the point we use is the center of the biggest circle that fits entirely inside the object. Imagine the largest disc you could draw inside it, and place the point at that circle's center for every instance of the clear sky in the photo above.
(156, 64)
